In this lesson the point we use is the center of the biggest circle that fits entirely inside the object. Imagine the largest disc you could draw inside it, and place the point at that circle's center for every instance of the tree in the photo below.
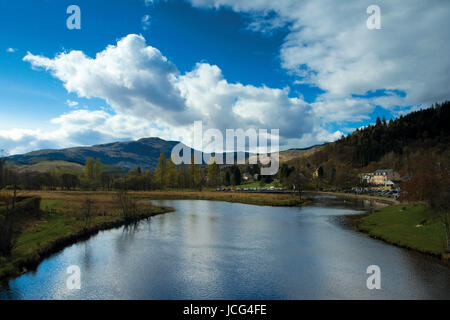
(7, 223)
(69, 181)
(213, 173)
(171, 175)
(89, 168)
(227, 178)
(87, 209)
(195, 174)
(127, 204)
(161, 171)
(98, 170)
(236, 177)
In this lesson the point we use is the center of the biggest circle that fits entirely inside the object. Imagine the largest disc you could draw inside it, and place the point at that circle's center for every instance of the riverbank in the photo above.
(262, 199)
(409, 226)
(384, 200)
(62, 222)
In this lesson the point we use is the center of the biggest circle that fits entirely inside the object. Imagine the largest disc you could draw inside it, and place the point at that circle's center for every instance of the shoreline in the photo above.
(358, 224)
(387, 201)
(261, 199)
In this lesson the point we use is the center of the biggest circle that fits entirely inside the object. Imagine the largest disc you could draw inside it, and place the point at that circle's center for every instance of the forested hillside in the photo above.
(397, 144)
(426, 128)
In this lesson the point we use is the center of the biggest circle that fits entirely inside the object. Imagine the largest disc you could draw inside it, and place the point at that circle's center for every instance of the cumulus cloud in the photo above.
(132, 77)
(329, 46)
(137, 81)
(11, 50)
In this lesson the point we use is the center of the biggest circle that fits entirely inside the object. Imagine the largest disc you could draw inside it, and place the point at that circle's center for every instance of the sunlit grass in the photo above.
(411, 226)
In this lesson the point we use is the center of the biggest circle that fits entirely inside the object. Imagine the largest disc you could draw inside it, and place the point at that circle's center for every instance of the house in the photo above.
(381, 177)
(318, 173)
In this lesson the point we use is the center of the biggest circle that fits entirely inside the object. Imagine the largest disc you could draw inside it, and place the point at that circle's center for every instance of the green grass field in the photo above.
(411, 226)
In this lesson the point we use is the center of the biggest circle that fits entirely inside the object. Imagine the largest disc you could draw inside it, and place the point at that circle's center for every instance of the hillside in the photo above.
(290, 154)
(421, 136)
(48, 166)
(129, 154)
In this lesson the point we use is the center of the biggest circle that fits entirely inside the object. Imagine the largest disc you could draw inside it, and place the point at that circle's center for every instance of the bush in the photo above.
(127, 204)
(28, 207)
(6, 233)
(25, 207)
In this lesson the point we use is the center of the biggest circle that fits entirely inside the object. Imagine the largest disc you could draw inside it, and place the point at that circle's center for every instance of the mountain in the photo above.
(142, 153)
(130, 154)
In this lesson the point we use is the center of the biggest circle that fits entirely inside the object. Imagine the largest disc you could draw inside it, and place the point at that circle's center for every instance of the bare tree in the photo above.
(87, 211)
(127, 204)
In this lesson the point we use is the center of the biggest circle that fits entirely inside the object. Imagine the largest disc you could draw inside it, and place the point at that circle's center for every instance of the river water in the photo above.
(220, 250)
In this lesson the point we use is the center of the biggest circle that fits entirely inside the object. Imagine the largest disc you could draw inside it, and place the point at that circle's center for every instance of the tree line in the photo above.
(166, 175)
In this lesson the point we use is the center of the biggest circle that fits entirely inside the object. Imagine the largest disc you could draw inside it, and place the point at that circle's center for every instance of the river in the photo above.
(221, 250)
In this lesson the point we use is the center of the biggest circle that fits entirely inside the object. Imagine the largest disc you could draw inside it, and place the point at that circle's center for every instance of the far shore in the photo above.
(384, 200)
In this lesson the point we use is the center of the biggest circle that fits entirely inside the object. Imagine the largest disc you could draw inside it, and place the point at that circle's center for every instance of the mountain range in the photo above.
(142, 153)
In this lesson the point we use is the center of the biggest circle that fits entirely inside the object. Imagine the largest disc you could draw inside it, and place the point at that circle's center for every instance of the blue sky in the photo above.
(263, 48)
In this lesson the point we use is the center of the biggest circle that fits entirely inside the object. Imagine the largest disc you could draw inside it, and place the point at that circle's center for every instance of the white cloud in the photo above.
(71, 103)
(11, 50)
(329, 46)
(137, 81)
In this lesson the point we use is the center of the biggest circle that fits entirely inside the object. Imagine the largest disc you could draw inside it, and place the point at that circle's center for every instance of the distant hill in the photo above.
(290, 154)
(47, 166)
(130, 154)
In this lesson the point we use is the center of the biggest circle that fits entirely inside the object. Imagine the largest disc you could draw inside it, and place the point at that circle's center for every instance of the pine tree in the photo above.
(213, 173)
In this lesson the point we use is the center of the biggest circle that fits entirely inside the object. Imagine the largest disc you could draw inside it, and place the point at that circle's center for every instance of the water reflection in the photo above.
(219, 250)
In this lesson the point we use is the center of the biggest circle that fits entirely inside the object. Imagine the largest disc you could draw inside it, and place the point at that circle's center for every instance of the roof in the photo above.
(383, 170)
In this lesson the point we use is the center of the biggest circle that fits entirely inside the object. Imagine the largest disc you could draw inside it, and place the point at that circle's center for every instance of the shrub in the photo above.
(6, 232)
(127, 205)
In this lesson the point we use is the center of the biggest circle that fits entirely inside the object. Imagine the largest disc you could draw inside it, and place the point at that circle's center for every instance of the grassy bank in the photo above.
(61, 223)
(409, 226)
(263, 199)
(385, 200)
